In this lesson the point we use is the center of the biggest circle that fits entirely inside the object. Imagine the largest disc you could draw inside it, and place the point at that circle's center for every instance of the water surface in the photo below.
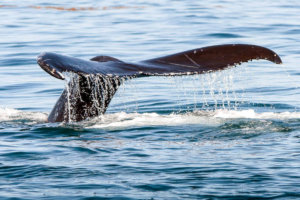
(228, 135)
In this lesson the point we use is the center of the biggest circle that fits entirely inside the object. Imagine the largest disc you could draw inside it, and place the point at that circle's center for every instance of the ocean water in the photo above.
(227, 135)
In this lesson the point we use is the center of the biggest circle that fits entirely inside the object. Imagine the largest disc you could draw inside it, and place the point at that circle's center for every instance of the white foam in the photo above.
(10, 114)
(251, 114)
(207, 118)
(122, 120)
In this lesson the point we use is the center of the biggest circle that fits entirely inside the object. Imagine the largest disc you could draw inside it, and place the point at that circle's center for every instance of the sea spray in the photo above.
(203, 91)
(68, 107)
(208, 91)
(211, 118)
(88, 95)
(23, 117)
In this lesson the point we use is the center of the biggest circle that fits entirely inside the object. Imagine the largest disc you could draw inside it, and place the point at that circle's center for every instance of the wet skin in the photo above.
(95, 82)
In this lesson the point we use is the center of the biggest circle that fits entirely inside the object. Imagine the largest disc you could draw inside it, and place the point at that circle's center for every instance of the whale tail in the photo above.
(84, 97)
(94, 83)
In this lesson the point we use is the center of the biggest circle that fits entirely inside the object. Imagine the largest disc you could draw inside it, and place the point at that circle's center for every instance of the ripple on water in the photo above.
(223, 35)
(229, 135)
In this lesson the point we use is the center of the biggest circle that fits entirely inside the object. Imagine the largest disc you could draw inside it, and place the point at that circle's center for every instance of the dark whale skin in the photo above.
(104, 74)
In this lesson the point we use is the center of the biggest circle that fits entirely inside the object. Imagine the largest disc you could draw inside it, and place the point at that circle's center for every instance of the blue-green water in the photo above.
(229, 135)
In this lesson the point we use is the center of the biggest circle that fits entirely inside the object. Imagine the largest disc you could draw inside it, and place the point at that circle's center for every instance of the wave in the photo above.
(10, 114)
(208, 118)
(124, 120)
(251, 114)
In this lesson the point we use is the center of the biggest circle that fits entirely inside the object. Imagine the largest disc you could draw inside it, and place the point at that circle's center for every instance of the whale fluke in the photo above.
(215, 58)
(96, 80)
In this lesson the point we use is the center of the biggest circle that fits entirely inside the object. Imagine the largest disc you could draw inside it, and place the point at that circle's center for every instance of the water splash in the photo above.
(123, 120)
(87, 96)
(211, 90)
(10, 114)
(218, 117)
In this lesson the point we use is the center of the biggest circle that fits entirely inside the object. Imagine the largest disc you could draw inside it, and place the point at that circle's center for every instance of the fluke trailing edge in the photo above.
(95, 82)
